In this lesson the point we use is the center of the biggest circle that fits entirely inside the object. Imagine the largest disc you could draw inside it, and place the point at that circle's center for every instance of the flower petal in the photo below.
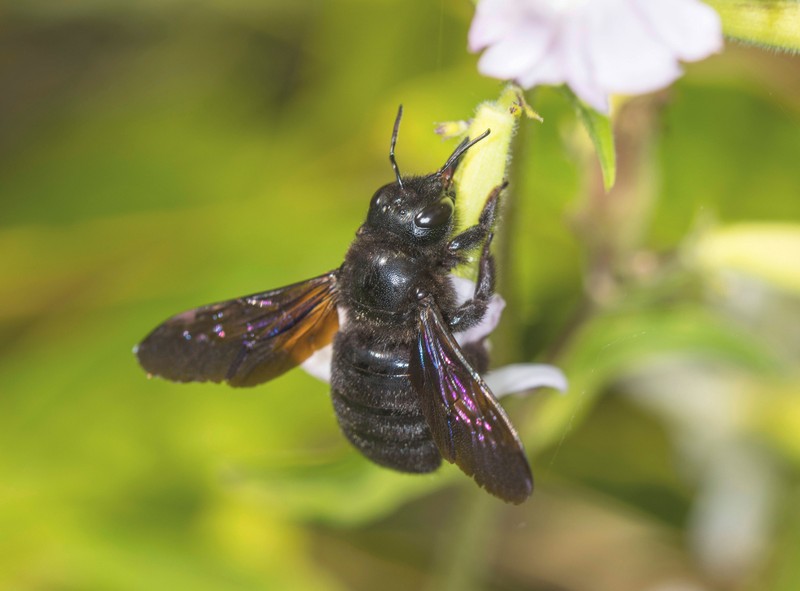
(516, 53)
(691, 29)
(493, 20)
(550, 68)
(465, 289)
(566, 61)
(519, 377)
(597, 47)
(625, 56)
(319, 364)
(577, 65)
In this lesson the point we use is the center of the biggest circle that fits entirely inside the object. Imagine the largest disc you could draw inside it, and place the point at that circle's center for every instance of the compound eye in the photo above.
(435, 215)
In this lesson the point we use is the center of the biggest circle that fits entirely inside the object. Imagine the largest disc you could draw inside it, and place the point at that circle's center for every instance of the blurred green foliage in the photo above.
(155, 156)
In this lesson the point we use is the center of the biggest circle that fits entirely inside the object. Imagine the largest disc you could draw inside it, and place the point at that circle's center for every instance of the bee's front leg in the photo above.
(472, 237)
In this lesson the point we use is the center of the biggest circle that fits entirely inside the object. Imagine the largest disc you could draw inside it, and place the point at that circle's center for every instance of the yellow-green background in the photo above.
(157, 155)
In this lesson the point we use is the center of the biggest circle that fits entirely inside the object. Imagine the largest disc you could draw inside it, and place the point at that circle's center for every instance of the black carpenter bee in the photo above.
(406, 394)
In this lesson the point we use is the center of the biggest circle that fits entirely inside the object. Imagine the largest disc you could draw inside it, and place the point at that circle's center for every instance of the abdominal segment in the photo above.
(377, 408)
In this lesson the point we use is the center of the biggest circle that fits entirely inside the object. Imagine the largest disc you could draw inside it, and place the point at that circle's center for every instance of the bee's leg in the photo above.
(473, 236)
(473, 310)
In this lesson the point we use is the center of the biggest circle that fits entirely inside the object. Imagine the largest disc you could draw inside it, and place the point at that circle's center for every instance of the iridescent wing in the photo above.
(468, 425)
(245, 341)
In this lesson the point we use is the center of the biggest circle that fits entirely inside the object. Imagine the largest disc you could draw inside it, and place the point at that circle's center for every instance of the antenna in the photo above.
(391, 148)
(459, 151)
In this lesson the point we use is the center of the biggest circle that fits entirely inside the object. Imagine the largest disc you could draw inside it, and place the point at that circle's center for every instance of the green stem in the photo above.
(470, 534)
(769, 23)
(467, 559)
(507, 338)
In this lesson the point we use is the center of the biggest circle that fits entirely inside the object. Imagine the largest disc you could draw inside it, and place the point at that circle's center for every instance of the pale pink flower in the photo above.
(597, 47)
(508, 379)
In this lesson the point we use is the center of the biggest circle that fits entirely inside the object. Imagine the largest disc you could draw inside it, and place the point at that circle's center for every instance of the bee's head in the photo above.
(419, 208)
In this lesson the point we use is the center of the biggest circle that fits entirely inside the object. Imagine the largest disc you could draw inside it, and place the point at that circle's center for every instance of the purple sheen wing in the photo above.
(245, 341)
(468, 426)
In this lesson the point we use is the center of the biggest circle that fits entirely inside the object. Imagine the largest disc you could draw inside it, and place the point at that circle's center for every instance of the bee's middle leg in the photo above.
(471, 312)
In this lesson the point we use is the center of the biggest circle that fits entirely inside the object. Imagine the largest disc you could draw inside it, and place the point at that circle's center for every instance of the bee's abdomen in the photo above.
(377, 409)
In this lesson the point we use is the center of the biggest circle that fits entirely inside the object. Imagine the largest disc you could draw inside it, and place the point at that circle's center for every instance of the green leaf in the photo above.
(614, 345)
(770, 23)
(599, 129)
